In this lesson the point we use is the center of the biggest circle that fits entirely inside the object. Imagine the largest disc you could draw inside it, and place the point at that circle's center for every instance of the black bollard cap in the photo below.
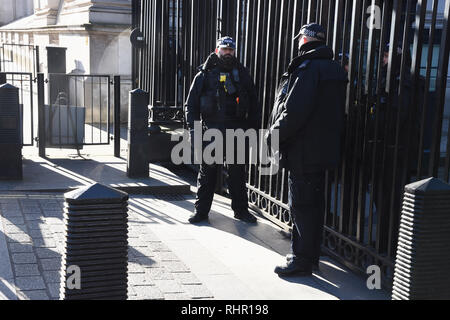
(95, 194)
(8, 86)
(430, 186)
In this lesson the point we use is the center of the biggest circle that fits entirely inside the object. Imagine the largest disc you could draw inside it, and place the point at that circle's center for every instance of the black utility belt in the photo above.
(210, 105)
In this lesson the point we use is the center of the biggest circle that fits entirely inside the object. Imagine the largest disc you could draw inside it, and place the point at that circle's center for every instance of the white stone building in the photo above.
(95, 33)
(11, 10)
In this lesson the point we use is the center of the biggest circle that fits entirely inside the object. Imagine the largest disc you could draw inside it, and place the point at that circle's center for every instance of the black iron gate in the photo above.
(78, 112)
(385, 147)
(74, 112)
(19, 65)
(16, 57)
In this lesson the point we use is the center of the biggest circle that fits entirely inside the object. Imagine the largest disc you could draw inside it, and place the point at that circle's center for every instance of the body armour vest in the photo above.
(222, 96)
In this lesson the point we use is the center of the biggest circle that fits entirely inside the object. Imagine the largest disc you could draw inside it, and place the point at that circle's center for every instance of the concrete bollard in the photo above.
(95, 258)
(423, 256)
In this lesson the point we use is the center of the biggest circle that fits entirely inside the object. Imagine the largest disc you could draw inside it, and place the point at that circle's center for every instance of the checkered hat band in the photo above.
(312, 34)
(226, 43)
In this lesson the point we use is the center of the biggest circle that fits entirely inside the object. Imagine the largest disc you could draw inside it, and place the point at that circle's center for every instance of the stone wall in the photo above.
(11, 10)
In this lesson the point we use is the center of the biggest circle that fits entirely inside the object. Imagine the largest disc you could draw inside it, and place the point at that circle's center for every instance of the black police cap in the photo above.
(226, 42)
(313, 30)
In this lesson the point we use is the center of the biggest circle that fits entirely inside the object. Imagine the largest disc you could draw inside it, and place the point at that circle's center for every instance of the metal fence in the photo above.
(389, 141)
(73, 112)
(175, 47)
(19, 58)
(78, 111)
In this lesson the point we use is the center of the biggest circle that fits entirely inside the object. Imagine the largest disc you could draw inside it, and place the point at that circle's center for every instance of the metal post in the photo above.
(10, 144)
(2, 78)
(41, 115)
(136, 4)
(37, 60)
(117, 116)
(441, 82)
(137, 162)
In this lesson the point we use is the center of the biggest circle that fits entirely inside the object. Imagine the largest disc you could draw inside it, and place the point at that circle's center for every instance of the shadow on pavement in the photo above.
(332, 277)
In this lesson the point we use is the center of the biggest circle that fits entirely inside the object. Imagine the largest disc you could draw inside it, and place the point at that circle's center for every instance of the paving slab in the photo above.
(23, 258)
(33, 295)
(30, 269)
(7, 285)
(30, 283)
(54, 174)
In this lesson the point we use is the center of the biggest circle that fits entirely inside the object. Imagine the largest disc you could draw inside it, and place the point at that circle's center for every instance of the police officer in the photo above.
(223, 97)
(309, 117)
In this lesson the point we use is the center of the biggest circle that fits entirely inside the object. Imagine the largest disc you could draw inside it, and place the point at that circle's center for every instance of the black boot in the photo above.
(295, 267)
(245, 216)
(198, 217)
(315, 265)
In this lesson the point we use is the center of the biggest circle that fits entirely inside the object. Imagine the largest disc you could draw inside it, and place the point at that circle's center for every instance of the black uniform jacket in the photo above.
(309, 111)
(205, 85)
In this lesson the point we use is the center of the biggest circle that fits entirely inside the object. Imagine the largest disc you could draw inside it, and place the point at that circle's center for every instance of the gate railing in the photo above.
(384, 147)
(78, 112)
(19, 58)
(76, 109)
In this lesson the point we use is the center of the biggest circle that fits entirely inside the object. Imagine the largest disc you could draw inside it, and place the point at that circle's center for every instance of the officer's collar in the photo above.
(310, 46)
(313, 50)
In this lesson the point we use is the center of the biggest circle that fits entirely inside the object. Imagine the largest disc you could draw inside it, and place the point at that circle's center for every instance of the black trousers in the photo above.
(206, 184)
(207, 177)
(307, 209)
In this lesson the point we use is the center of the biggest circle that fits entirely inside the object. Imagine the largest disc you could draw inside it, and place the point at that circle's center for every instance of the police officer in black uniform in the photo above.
(222, 96)
(309, 116)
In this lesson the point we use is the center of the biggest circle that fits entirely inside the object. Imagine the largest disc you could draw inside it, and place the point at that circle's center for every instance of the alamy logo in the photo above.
(374, 280)
(73, 282)
(374, 21)
(230, 146)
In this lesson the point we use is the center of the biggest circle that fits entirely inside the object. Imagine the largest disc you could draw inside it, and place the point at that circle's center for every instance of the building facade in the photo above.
(11, 10)
(95, 34)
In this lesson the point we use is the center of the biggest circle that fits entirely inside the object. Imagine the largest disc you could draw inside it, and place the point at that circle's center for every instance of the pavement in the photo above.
(61, 175)
(168, 258)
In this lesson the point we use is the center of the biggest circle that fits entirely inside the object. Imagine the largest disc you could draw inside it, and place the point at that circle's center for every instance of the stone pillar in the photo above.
(95, 12)
(46, 11)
